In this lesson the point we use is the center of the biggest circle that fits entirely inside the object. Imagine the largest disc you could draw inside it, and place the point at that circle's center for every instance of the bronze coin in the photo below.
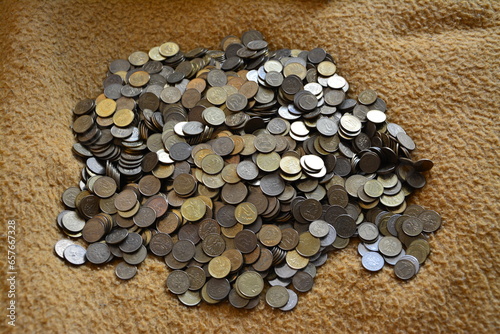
(245, 241)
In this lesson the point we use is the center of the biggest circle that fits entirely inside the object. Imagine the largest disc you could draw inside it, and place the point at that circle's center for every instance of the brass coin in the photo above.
(193, 209)
(219, 267)
(250, 284)
(270, 235)
(245, 213)
(308, 244)
(123, 117)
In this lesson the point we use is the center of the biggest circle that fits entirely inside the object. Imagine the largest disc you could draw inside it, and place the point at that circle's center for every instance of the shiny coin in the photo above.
(372, 261)
(75, 254)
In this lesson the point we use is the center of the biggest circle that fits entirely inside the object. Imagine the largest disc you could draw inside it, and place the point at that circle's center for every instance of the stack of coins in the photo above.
(242, 168)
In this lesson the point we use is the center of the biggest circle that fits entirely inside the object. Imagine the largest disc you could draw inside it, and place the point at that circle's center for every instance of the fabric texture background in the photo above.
(435, 63)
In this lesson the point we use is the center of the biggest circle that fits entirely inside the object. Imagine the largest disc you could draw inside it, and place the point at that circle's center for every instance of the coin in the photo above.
(302, 281)
(219, 267)
(277, 296)
(125, 271)
(292, 301)
(178, 282)
(61, 245)
(75, 254)
(372, 261)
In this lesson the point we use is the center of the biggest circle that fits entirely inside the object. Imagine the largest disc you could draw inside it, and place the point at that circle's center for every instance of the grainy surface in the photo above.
(436, 63)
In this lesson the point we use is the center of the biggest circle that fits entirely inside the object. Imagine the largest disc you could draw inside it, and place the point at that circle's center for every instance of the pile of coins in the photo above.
(241, 166)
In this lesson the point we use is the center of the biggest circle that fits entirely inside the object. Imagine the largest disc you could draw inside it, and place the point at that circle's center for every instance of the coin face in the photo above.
(75, 254)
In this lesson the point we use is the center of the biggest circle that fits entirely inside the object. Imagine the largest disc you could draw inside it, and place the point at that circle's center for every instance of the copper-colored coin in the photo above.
(149, 185)
(139, 79)
(245, 241)
(289, 239)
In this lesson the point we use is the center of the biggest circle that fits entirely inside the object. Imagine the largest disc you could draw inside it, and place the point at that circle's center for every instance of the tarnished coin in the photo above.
(178, 282)
(98, 253)
(125, 271)
(302, 281)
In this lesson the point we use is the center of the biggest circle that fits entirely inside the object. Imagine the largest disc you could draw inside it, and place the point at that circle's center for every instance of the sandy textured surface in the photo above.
(436, 63)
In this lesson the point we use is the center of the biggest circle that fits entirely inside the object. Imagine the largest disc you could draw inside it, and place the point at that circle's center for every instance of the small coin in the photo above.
(125, 271)
(61, 245)
(372, 261)
(75, 254)
(302, 281)
(178, 282)
(277, 296)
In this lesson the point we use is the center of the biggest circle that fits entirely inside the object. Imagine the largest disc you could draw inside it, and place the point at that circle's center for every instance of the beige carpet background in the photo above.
(436, 63)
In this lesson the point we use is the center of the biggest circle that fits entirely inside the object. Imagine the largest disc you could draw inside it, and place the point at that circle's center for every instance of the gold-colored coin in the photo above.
(373, 188)
(139, 79)
(393, 201)
(290, 165)
(154, 54)
(219, 267)
(250, 284)
(295, 69)
(229, 174)
(270, 235)
(245, 213)
(327, 68)
(105, 108)
(169, 49)
(193, 209)
(268, 162)
(130, 213)
(216, 95)
(231, 232)
(295, 260)
(308, 245)
(214, 181)
(212, 164)
(162, 171)
(123, 117)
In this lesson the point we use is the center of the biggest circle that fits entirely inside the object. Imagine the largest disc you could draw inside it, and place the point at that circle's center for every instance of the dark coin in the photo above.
(161, 244)
(218, 288)
(245, 241)
(132, 243)
(183, 250)
(125, 271)
(98, 253)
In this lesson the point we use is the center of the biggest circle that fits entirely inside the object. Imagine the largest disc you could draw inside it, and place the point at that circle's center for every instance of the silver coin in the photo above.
(329, 239)
(372, 261)
(362, 250)
(393, 260)
(319, 228)
(75, 254)
(280, 281)
(372, 246)
(320, 260)
(284, 271)
(61, 245)
(310, 269)
(292, 301)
